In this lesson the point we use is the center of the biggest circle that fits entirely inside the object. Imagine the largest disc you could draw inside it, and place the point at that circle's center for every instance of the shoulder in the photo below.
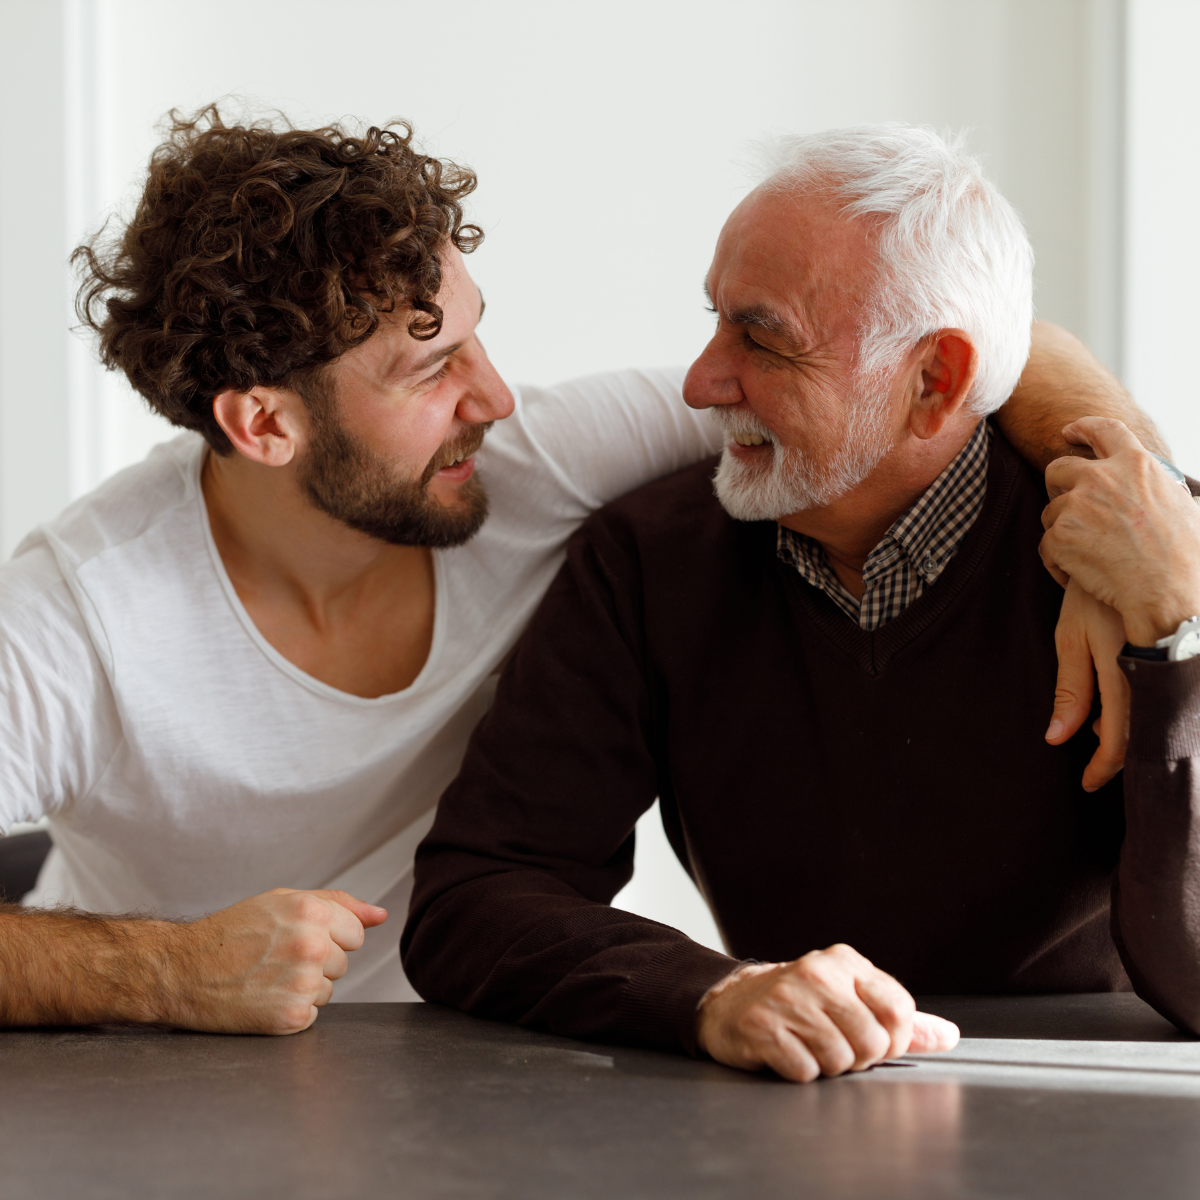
(595, 438)
(675, 523)
(680, 500)
(46, 610)
(124, 507)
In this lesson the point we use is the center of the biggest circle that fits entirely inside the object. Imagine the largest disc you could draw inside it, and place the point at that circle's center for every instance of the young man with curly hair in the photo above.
(237, 676)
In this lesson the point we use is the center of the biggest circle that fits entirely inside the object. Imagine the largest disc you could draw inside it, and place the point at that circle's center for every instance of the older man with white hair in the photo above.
(831, 678)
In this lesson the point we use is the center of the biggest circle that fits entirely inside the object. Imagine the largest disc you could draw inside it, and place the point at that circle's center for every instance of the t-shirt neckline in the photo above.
(286, 665)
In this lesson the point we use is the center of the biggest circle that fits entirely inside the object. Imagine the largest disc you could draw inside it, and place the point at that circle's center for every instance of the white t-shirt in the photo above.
(184, 764)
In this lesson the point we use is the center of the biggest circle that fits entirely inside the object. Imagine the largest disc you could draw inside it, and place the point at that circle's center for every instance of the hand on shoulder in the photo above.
(1125, 529)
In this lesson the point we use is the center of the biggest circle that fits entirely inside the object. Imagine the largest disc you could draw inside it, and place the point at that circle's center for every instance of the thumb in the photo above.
(931, 1034)
(369, 914)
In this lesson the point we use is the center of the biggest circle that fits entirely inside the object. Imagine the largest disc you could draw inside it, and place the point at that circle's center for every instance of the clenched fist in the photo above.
(824, 1014)
(263, 965)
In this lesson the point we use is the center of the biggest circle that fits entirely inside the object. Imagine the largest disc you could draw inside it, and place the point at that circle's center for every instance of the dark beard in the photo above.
(345, 480)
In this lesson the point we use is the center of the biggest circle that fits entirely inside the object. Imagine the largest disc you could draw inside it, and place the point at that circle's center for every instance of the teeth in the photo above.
(749, 439)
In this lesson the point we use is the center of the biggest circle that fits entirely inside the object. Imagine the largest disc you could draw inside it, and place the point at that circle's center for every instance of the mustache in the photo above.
(463, 446)
(733, 421)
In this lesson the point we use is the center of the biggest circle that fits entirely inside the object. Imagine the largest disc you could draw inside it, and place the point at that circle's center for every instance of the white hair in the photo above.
(953, 252)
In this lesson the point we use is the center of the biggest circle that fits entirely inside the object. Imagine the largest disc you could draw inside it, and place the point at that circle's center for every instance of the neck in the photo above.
(851, 526)
(275, 543)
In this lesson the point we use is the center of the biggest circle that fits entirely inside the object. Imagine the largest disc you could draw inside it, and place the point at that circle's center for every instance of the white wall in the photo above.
(34, 427)
(1163, 246)
(609, 139)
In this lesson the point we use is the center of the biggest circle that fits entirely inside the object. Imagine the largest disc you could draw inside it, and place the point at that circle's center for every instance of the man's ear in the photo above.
(944, 374)
(264, 423)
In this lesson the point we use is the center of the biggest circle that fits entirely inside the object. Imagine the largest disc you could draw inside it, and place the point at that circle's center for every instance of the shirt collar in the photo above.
(927, 533)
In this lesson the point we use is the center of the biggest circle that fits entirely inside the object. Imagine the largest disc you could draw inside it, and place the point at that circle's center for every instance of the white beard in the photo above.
(794, 481)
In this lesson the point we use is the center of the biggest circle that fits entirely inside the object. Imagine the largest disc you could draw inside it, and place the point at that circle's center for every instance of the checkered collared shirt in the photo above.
(916, 549)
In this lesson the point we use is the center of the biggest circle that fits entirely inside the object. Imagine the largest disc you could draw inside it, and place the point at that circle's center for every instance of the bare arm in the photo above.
(1062, 382)
(263, 965)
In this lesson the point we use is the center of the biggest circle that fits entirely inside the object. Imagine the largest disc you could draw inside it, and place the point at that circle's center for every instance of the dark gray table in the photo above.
(1091, 1096)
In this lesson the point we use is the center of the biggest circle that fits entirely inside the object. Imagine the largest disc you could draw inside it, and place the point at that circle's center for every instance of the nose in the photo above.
(712, 380)
(487, 396)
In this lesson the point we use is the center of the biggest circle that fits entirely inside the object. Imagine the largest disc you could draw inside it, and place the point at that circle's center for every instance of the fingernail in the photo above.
(1055, 730)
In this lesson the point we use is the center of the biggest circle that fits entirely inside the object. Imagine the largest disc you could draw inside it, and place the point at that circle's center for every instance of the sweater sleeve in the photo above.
(1156, 894)
(511, 915)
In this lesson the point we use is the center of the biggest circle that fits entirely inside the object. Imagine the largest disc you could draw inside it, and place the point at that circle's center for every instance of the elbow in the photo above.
(1164, 970)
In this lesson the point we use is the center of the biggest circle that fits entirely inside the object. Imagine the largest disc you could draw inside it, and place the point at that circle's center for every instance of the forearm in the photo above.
(523, 947)
(65, 968)
(1062, 382)
(511, 913)
(1156, 899)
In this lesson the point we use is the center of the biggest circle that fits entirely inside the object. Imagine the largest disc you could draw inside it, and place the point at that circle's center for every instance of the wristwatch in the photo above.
(1172, 470)
(1183, 643)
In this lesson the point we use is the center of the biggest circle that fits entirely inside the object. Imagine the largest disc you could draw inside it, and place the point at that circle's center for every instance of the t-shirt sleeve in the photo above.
(58, 722)
(511, 914)
(608, 434)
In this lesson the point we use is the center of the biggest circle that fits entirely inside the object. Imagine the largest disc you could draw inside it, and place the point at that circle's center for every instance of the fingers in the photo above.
(1064, 473)
(828, 1012)
(788, 1057)
(1089, 638)
(1047, 548)
(337, 962)
(836, 1043)
(1106, 435)
(369, 915)
(1075, 685)
(1112, 727)
(892, 1007)
(932, 1034)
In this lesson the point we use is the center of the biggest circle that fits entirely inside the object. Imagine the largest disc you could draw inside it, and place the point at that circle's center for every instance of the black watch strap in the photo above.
(1150, 653)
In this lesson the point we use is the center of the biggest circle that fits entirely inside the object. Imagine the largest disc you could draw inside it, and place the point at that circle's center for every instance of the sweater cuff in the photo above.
(1164, 712)
(661, 999)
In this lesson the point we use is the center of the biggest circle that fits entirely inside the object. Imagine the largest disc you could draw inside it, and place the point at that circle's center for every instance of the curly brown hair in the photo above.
(258, 254)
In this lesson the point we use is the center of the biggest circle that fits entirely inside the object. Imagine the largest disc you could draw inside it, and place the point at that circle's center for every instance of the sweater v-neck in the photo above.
(872, 650)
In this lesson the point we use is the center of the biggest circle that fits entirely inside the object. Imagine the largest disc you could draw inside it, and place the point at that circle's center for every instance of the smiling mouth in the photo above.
(750, 439)
(451, 457)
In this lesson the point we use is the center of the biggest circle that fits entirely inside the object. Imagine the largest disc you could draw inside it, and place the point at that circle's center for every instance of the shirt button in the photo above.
(930, 564)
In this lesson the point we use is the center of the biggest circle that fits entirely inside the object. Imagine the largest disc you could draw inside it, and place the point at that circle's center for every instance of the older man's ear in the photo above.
(943, 374)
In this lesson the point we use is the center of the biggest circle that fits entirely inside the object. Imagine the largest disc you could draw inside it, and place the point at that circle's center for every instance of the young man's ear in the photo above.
(946, 371)
(264, 424)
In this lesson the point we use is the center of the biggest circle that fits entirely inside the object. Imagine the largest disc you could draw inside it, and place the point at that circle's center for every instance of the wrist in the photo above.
(148, 976)
(1145, 626)
(709, 1009)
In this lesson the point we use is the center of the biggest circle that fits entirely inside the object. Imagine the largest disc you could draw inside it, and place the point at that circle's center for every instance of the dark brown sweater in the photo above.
(819, 782)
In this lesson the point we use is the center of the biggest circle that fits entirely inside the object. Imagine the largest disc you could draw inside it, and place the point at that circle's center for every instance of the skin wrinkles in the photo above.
(804, 275)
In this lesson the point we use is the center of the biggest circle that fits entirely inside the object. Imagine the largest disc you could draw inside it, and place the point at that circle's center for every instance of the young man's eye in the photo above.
(438, 376)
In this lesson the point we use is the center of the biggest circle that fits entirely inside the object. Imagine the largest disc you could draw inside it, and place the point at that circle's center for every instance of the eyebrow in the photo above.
(445, 351)
(764, 318)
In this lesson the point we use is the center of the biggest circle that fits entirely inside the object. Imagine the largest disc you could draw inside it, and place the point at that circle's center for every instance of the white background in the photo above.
(610, 140)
